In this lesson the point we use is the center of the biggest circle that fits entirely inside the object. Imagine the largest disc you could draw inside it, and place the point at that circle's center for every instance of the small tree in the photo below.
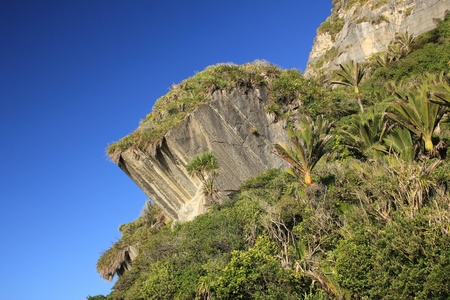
(365, 134)
(309, 139)
(414, 112)
(400, 141)
(351, 74)
(404, 41)
(205, 167)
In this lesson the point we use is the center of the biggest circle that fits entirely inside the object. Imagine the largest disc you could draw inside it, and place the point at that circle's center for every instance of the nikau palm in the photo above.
(441, 95)
(400, 141)
(351, 74)
(420, 116)
(309, 140)
(365, 134)
(404, 41)
(205, 167)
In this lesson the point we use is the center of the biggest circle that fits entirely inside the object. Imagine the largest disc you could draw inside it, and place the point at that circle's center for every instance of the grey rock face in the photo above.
(224, 126)
(361, 37)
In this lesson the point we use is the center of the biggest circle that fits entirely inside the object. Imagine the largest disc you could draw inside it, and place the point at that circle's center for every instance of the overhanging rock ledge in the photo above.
(234, 125)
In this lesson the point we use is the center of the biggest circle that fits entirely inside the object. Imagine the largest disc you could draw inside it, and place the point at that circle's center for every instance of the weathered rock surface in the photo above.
(223, 126)
(361, 36)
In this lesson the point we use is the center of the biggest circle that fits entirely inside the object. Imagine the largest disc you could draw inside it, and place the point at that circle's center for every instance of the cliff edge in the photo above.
(358, 29)
(231, 122)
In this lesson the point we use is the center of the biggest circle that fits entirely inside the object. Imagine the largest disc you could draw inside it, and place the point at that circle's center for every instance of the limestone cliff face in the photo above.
(224, 125)
(368, 28)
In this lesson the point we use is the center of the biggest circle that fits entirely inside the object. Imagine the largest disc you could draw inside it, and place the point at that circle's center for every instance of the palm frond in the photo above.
(351, 74)
(414, 112)
(309, 139)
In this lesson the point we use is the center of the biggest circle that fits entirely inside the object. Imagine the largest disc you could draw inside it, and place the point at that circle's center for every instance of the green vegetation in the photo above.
(330, 54)
(205, 167)
(362, 20)
(286, 86)
(418, 115)
(379, 3)
(364, 134)
(360, 3)
(332, 26)
(351, 74)
(408, 11)
(309, 139)
(375, 224)
(380, 19)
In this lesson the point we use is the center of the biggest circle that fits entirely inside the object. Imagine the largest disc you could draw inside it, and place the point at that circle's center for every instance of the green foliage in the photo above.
(98, 297)
(350, 74)
(430, 53)
(309, 140)
(362, 20)
(351, 3)
(205, 167)
(414, 112)
(380, 19)
(405, 260)
(273, 108)
(399, 141)
(441, 93)
(288, 86)
(365, 133)
(379, 3)
(408, 11)
(332, 26)
(256, 274)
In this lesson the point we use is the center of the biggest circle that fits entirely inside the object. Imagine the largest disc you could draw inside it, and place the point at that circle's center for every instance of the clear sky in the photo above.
(77, 75)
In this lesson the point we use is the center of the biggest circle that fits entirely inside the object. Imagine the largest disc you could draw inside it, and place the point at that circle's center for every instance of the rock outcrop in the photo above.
(368, 28)
(233, 125)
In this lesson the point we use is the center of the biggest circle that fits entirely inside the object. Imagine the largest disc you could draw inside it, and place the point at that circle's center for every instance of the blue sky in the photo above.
(77, 75)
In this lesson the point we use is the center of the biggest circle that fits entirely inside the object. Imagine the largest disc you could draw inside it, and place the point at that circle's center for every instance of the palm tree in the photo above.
(400, 141)
(309, 139)
(414, 112)
(351, 74)
(404, 41)
(205, 167)
(365, 134)
(383, 59)
(441, 95)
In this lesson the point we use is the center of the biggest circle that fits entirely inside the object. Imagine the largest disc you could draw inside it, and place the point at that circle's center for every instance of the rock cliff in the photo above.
(234, 125)
(358, 29)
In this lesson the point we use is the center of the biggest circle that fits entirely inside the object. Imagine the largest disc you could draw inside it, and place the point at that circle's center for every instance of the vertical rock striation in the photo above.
(233, 125)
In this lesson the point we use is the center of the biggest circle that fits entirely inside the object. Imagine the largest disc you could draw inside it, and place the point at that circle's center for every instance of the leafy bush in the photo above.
(256, 274)
(405, 260)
